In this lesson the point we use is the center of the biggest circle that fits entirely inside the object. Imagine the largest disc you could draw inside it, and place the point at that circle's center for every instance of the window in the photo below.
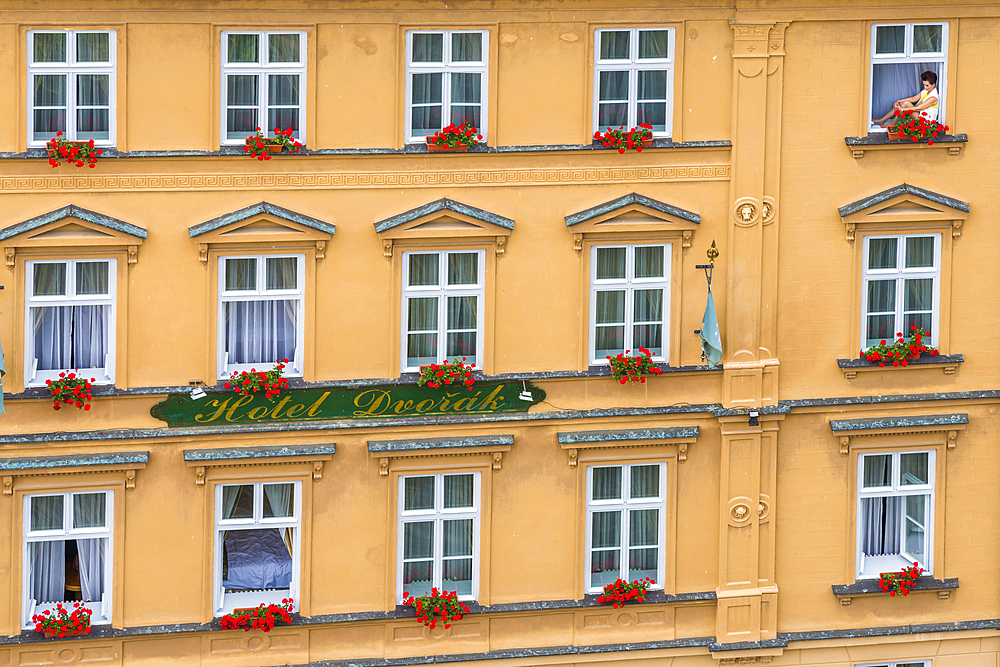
(634, 79)
(629, 300)
(256, 544)
(71, 86)
(901, 286)
(895, 511)
(626, 525)
(67, 552)
(442, 307)
(260, 312)
(263, 84)
(70, 321)
(439, 534)
(900, 53)
(445, 80)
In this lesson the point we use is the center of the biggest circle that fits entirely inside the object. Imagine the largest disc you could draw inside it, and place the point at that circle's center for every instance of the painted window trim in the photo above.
(896, 491)
(102, 609)
(438, 516)
(442, 292)
(629, 285)
(626, 506)
(219, 605)
(71, 68)
(261, 69)
(900, 275)
(34, 378)
(633, 65)
(942, 85)
(446, 67)
(293, 369)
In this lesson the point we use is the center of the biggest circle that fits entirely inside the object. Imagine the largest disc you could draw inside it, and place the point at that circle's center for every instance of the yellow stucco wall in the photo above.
(784, 82)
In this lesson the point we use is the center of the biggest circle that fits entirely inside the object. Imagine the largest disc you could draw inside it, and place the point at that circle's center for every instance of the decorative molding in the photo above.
(133, 252)
(769, 211)
(238, 457)
(578, 242)
(948, 363)
(8, 257)
(203, 253)
(72, 464)
(671, 436)
(385, 451)
(746, 660)
(320, 251)
(363, 179)
(947, 424)
(501, 242)
(387, 248)
(746, 212)
(904, 206)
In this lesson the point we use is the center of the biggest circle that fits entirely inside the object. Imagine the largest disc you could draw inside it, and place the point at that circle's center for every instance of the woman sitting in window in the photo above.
(924, 103)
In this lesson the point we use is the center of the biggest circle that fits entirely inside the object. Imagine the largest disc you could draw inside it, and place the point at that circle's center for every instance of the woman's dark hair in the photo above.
(930, 77)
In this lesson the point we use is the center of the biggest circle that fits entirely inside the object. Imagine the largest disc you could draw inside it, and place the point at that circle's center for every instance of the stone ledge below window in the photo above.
(871, 587)
(954, 143)
(946, 362)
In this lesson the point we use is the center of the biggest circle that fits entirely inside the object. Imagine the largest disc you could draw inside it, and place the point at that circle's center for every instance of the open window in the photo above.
(68, 552)
(257, 544)
(900, 53)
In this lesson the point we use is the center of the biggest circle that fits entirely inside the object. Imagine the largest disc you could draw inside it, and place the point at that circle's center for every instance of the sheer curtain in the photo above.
(880, 526)
(89, 510)
(279, 499)
(93, 107)
(242, 97)
(612, 107)
(895, 81)
(425, 95)
(260, 331)
(70, 336)
(283, 103)
(49, 105)
(466, 98)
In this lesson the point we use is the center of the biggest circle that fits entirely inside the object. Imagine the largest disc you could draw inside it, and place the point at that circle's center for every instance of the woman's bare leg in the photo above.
(903, 106)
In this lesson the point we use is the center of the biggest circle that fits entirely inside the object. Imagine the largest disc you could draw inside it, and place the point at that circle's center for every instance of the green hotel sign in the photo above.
(299, 405)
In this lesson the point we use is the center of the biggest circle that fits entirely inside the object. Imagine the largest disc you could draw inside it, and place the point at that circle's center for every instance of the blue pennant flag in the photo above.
(711, 340)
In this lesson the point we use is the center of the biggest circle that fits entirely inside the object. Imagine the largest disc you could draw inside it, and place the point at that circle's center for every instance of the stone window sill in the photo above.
(953, 143)
(946, 362)
(943, 587)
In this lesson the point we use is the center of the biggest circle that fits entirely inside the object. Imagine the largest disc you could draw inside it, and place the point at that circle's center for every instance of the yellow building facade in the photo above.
(764, 496)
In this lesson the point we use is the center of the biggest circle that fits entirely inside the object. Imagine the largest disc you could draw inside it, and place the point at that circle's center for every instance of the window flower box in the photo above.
(638, 138)
(899, 583)
(63, 623)
(74, 152)
(261, 618)
(622, 591)
(453, 139)
(455, 372)
(70, 389)
(262, 147)
(249, 382)
(633, 368)
(901, 351)
(438, 606)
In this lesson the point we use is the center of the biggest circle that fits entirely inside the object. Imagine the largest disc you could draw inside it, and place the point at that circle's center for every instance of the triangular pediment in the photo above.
(72, 226)
(904, 204)
(633, 212)
(263, 222)
(71, 230)
(444, 219)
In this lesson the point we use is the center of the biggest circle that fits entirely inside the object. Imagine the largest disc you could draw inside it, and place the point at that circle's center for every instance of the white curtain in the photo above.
(466, 98)
(612, 108)
(71, 336)
(279, 497)
(93, 101)
(283, 101)
(880, 525)
(260, 331)
(425, 96)
(47, 571)
(896, 81)
(456, 572)
(242, 97)
(91, 555)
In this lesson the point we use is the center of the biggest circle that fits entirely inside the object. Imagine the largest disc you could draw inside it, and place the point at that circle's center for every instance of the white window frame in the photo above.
(262, 68)
(223, 603)
(36, 378)
(442, 291)
(71, 68)
(897, 663)
(439, 515)
(101, 608)
(629, 284)
(446, 68)
(294, 368)
(897, 490)
(632, 66)
(901, 274)
(906, 57)
(626, 505)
